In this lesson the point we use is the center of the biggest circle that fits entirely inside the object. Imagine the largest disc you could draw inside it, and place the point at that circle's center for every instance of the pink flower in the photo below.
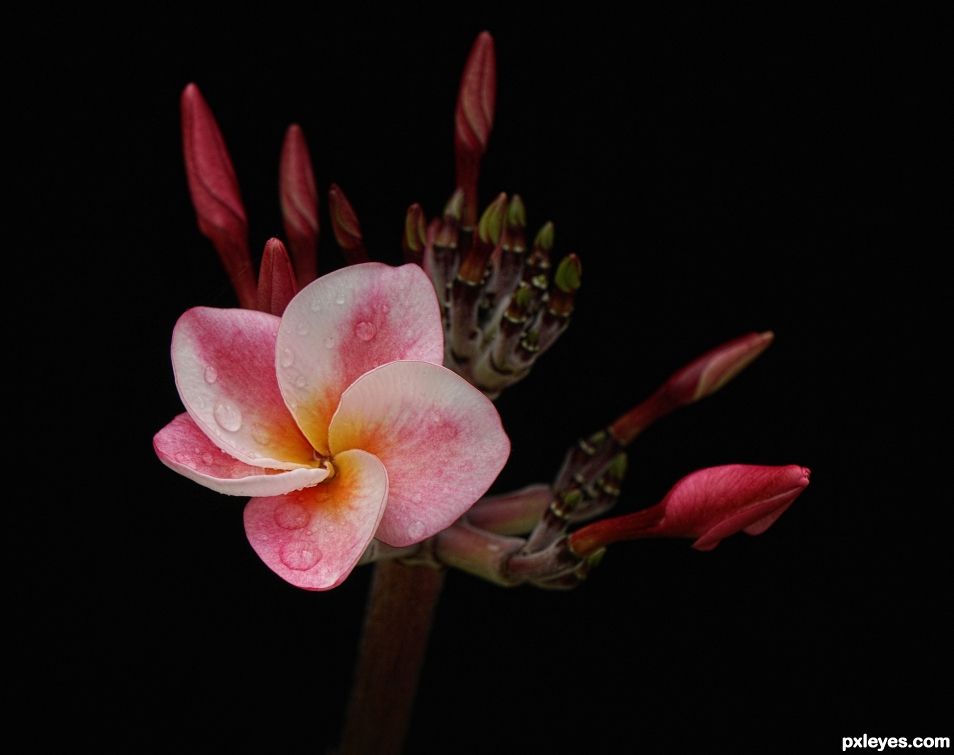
(707, 505)
(338, 417)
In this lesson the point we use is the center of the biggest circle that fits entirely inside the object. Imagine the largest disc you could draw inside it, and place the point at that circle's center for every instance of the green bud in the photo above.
(490, 225)
(544, 239)
(516, 213)
(568, 272)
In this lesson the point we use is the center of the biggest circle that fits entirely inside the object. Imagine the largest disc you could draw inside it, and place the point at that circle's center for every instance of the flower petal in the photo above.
(182, 446)
(224, 362)
(346, 323)
(314, 538)
(439, 437)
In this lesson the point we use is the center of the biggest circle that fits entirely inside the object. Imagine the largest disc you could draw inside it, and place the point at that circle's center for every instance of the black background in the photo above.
(717, 172)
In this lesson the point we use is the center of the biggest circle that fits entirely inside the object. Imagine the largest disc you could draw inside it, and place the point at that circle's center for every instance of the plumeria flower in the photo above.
(337, 417)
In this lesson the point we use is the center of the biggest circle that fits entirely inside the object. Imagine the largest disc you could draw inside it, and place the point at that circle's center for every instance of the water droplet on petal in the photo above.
(339, 299)
(415, 529)
(299, 555)
(183, 458)
(385, 308)
(302, 328)
(211, 374)
(260, 434)
(316, 304)
(364, 330)
(291, 516)
(330, 342)
(300, 381)
(286, 357)
(207, 458)
(228, 416)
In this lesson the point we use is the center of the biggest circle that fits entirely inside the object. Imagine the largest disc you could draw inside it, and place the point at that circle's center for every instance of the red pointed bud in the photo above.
(215, 192)
(415, 234)
(707, 505)
(347, 229)
(700, 378)
(474, 118)
(276, 279)
(299, 200)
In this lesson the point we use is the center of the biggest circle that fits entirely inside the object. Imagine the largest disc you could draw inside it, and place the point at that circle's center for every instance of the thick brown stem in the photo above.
(393, 645)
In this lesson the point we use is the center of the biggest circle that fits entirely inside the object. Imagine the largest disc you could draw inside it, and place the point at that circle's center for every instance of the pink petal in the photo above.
(346, 323)
(439, 437)
(314, 538)
(224, 362)
(182, 446)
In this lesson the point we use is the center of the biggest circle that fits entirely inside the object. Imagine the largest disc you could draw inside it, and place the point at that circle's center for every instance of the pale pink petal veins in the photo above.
(224, 363)
(314, 538)
(182, 446)
(440, 439)
(346, 323)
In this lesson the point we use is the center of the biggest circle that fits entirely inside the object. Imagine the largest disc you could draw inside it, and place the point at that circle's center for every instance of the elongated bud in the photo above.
(491, 224)
(707, 505)
(215, 192)
(566, 282)
(276, 279)
(345, 225)
(299, 200)
(473, 119)
(700, 378)
(415, 234)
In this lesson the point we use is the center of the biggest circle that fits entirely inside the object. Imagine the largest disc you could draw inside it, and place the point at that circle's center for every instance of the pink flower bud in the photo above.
(276, 279)
(700, 378)
(215, 192)
(345, 226)
(707, 505)
(299, 200)
(474, 118)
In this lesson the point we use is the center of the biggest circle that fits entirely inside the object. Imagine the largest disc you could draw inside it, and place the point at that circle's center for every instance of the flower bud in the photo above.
(707, 505)
(276, 279)
(474, 118)
(299, 200)
(345, 225)
(700, 378)
(215, 192)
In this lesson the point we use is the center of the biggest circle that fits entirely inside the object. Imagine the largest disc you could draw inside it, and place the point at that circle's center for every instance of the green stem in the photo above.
(393, 645)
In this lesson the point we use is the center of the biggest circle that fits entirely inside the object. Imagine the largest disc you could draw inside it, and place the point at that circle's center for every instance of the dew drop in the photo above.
(183, 458)
(291, 516)
(415, 529)
(207, 458)
(300, 381)
(211, 374)
(385, 308)
(330, 342)
(339, 299)
(316, 304)
(299, 555)
(364, 330)
(228, 416)
(260, 434)
(302, 328)
(287, 357)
